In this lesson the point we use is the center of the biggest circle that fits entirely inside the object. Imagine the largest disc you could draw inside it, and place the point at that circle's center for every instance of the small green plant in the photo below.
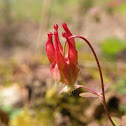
(116, 46)
(120, 86)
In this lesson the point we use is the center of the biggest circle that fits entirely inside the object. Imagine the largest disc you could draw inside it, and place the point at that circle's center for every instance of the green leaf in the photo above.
(117, 121)
(122, 8)
(112, 46)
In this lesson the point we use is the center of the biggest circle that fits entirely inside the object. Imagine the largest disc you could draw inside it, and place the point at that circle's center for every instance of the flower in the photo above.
(64, 66)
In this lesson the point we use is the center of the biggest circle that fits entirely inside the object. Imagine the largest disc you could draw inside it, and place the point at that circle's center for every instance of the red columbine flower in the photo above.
(63, 66)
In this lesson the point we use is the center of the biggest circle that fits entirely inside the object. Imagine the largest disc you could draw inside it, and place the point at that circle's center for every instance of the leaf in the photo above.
(88, 95)
(116, 120)
(105, 88)
(120, 122)
(67, 90)
(90, 90)
(124, 120)
(122, 8)
(116, 44)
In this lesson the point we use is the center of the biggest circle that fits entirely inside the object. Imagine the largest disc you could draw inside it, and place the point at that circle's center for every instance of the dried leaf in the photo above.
(107, 86)
(88, 95)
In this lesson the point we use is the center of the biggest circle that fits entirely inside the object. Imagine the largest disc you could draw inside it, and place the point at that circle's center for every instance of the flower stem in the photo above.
(90, 90)
(101, 76)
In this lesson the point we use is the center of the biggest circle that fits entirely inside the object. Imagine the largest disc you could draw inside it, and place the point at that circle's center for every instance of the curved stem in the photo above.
(101, 76)
(90, 90)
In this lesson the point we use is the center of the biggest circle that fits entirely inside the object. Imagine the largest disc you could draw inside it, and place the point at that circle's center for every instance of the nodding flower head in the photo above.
(64, 65)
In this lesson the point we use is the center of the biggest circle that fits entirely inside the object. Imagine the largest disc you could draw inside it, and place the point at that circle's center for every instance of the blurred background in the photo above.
(28, 96)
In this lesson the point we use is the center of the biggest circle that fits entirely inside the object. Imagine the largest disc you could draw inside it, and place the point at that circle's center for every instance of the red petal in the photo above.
(70, 74)
(50, 48)
(59, 44)
(72, 53)
(74, 72)
(68, 33)
(59, 57)
(55, 72)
